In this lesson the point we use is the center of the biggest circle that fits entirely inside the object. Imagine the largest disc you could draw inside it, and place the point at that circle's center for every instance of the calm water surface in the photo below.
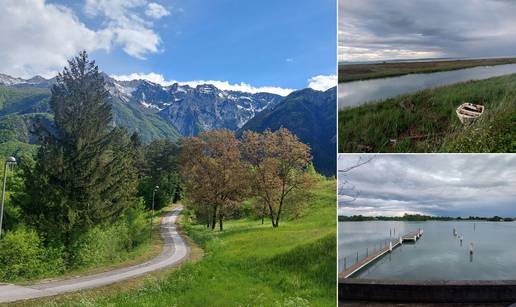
(438, 254)
(359, 92)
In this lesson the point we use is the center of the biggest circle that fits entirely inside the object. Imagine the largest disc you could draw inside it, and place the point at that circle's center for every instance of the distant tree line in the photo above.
(419, 217)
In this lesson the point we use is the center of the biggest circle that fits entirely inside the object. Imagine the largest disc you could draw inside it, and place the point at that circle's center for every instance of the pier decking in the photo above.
(411, 236)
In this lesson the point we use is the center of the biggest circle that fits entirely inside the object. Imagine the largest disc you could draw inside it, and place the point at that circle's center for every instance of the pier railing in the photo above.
(388, 246)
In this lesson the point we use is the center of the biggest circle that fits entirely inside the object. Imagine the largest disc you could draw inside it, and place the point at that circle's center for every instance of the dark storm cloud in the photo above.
(455, 185)
(399, 29)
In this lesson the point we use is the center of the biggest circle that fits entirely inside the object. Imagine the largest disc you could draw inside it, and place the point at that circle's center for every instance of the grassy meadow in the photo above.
(247, 264)
(426, 121)
(353, 72)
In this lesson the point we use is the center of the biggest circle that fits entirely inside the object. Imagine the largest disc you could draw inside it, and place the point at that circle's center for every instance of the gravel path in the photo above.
(174, 251)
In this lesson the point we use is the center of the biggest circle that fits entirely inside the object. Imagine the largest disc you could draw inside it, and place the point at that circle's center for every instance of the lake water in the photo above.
(359, 92)
(437, 255)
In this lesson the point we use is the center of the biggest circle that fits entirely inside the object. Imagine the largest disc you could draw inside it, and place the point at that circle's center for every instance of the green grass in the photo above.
(144, 251)
(353, 72)
(426, 121)
(249, 264)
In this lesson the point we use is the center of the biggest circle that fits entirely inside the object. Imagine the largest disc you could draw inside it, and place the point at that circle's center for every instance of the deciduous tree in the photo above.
(279, 162)
(214, 173)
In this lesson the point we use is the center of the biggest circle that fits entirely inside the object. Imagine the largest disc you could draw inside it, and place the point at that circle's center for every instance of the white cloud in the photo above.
(450, 185)
(289, 60)
(322, 82)
(377, 30)
(152, 77)
(362, 54)
(125, 27)
(319, 83)
(156, 10)
(223, 85)
(37, 38)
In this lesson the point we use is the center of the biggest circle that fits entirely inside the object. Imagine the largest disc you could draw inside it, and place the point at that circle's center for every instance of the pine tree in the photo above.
(85, 171)
(161, 169)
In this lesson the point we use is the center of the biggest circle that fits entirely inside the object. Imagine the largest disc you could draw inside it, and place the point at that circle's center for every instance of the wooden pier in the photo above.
(410, 237)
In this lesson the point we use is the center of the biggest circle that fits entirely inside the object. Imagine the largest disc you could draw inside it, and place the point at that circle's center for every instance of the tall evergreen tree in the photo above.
(160, 168)
(85, 170)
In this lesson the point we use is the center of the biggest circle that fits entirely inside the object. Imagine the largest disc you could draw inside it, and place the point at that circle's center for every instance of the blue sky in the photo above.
(260, 43)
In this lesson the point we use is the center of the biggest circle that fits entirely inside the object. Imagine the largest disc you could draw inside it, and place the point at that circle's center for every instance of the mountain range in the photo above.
(311, 115)
(157, 111)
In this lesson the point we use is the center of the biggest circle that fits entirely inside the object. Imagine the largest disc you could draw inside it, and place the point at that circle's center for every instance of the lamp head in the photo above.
(11, 160)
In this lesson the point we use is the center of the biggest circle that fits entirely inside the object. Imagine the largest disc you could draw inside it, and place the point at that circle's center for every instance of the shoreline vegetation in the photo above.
(422, 218)
(356, 72)
(425, 121)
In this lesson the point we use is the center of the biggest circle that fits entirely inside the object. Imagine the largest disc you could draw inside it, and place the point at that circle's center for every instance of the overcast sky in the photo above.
(441, 185)
(268, 45)
(403, 29)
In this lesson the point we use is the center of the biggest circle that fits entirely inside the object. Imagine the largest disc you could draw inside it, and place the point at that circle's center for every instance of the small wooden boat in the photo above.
(469, 112)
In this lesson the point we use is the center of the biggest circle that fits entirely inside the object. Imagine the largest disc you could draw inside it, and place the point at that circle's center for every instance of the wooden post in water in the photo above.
(344, 263)
(390, 246)
(367, 252)
(471, 252)
(357, 257)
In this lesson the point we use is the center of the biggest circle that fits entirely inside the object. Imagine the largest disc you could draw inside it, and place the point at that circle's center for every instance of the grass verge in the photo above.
(248, 264)
(141, 253)
(426, 121)
(85, 298)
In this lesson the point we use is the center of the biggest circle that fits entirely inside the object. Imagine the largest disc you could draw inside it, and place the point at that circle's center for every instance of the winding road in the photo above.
(175, 250)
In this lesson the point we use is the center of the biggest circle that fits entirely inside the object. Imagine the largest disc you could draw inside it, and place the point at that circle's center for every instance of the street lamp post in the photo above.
(152, 213)
(9, 160)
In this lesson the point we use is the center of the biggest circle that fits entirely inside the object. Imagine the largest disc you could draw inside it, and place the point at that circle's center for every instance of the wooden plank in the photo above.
(366, 261)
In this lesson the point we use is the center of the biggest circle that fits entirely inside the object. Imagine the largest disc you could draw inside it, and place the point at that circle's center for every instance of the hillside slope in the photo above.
(248, 264)
(309, 114)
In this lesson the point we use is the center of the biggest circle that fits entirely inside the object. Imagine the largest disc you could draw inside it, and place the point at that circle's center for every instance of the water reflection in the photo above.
(359, 92)
(486, 251)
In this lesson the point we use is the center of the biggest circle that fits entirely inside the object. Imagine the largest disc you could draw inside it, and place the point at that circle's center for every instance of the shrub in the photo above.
(22, 255)
(138, 225)
(111, 242)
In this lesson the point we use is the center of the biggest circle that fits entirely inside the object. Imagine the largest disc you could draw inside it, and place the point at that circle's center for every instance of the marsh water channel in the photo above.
(355, 93)
(437, 255)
